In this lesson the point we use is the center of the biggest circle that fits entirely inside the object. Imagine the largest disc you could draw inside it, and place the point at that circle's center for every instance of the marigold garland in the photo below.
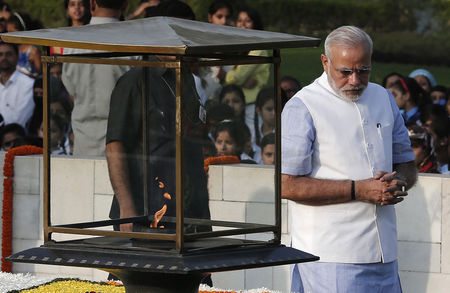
(71, 285)
(75, 285)
(7, 212)
(222, 160)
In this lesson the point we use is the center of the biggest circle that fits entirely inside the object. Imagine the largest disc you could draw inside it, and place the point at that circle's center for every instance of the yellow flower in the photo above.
(75, 286)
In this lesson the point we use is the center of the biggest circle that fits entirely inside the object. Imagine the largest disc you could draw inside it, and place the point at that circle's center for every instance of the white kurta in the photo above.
(353, 140)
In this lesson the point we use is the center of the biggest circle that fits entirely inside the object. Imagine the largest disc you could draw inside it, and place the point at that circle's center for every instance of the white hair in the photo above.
(347, 36)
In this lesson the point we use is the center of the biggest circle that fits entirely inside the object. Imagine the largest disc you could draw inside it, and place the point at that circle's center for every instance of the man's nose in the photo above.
(354, 78)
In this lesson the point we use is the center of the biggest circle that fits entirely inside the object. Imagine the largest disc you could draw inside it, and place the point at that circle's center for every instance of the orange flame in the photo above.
(158, 216)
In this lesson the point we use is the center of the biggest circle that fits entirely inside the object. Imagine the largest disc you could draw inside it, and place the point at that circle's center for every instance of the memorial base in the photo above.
(143, 269)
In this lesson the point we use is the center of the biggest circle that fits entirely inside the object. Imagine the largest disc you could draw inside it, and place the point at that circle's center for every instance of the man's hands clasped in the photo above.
(384, 189)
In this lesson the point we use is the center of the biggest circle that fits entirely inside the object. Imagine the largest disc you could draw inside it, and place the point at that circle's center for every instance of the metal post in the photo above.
(276, 65)
(145, 151)
(46, 154)
(179, 159)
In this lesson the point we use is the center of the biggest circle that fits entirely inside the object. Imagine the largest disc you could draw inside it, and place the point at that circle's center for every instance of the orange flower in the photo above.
(7, 210)
(222, 160)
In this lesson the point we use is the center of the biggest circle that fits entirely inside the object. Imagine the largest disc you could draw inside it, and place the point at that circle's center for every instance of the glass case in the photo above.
(172, 134)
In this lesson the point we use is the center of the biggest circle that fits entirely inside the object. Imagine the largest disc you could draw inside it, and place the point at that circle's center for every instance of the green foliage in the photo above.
(315, 16)
(409, 47)
(442, 13)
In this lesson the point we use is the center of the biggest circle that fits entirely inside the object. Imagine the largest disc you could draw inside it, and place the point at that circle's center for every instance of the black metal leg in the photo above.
(147, 282)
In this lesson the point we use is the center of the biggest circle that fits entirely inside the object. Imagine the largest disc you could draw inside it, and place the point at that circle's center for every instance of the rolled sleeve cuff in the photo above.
(298, 134)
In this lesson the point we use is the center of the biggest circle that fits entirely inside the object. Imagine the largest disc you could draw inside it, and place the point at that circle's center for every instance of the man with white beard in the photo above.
(346, 161)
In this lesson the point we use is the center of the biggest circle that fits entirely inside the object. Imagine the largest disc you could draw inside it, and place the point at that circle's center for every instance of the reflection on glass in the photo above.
(130, 159)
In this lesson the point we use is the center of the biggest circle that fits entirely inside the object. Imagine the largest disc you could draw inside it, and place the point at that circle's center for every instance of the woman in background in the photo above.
(78, 13)
(209, 79)
(251, 78)
(220, 12)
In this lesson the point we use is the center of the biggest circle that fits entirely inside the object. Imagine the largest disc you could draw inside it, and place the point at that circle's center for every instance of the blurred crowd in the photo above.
(239, 100)
(425, 107)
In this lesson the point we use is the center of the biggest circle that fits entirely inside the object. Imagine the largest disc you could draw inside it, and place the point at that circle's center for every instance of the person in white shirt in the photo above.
(16, 89)
(91, 86)
(346, 161)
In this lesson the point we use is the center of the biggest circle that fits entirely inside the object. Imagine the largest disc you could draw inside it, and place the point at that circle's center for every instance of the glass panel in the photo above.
(79, 102)
(240, 187)
(141, 171)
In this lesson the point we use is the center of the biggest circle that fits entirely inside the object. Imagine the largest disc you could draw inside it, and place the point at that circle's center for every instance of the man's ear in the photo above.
(325, 60)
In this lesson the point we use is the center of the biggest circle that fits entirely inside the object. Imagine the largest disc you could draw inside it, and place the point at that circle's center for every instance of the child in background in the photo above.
(410, 99)
(423, 147)
(268, 149)
(216, 114)
(11, 136)
(233, 96)
(439, 95)
(229, 139)
(264, 120)
(58, 129)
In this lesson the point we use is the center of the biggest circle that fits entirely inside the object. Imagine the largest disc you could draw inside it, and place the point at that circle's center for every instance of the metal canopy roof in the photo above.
(161, 35)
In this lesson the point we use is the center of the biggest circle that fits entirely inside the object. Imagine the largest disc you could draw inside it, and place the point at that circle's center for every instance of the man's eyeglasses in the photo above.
(361, 72)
